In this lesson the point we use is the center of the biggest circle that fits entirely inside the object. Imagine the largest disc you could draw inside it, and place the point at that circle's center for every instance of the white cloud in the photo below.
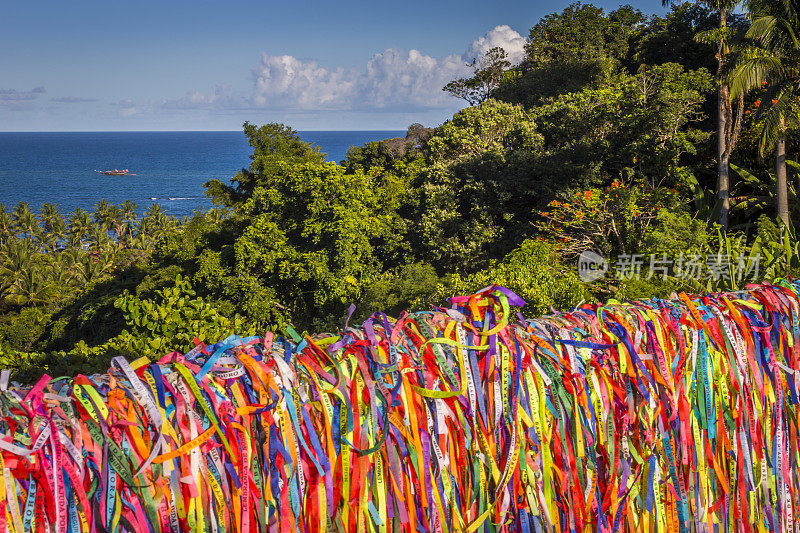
(503, 36)
(394, 81)
(391, 80)
(397, 79)
(285, 81)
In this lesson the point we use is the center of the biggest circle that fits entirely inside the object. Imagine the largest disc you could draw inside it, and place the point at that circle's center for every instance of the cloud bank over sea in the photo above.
(393, 88)
(390, 80)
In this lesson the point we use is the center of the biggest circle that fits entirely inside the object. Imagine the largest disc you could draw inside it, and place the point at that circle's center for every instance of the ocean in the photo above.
(170, 167)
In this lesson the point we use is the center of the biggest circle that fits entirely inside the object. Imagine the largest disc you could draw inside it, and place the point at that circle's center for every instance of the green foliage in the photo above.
(753, 196)
(486, 77)
(582, 31)
(671, 38)
(171, 321)
(273, 145)
(534, 271)
(316, 234)
(492, 126)
(396, 156)
(19, 330)
(579, 48)
(410, 286)
(531, 85)
(90, 315)
(779, 249)
(640, 125)
(154, 327)
(626, 221)
(774, 252)
(621, 220)
(476, 191)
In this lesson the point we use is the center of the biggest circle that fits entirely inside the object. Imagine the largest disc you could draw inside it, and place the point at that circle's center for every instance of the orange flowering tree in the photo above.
(619, 219)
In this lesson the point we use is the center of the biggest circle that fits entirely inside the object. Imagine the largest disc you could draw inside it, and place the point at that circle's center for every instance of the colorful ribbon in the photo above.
(659, 415)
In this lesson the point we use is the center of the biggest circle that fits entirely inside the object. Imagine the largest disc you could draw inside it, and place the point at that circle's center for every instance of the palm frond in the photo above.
(771, 120)
(794, 164)
(753, 69)
(762, 28)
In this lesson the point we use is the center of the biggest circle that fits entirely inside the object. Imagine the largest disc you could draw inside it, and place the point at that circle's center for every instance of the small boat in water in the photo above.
(116, 172)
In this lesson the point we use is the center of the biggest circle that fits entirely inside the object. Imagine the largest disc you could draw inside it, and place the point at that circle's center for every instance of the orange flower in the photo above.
(615, 184)
(774, 102)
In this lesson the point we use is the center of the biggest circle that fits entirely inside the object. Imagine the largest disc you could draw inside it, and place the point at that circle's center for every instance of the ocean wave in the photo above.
(174, 198)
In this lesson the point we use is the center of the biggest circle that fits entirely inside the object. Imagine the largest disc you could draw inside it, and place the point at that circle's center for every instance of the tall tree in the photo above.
(99, 239)
(582, 31)
(729, 117)
(773, 62)
(155, 221)
(274, 145)
(7, 231)
(128, 220)
(487, 74)
(106, 214)
(566, 52)
(52, 225)
(79, 224)
(25, 220)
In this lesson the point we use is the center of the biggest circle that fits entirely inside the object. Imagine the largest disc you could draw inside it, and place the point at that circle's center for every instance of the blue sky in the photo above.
(203, 65)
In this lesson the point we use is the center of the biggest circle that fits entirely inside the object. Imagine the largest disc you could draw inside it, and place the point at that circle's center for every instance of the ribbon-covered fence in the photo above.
(659, 415)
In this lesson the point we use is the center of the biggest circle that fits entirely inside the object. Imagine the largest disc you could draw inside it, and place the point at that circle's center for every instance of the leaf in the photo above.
(745, 175)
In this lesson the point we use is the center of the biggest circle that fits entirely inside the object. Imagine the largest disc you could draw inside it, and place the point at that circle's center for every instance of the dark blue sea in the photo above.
(170, 167)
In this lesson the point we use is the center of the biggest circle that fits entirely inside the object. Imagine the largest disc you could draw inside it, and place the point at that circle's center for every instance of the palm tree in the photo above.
(30, 287)
(79, 267)
(58, 231)
(140, 240)
(20, 276)
(98, 237)
(53, 226)
(729, 121)
(90, 267)
(106, 214)
(773, 61)
(49, 214)
(14, 257)
(24, 220)
(128, 220)
(60, 274)
(7, 231)
(215, 215)
(155, 221)
(79, 224)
